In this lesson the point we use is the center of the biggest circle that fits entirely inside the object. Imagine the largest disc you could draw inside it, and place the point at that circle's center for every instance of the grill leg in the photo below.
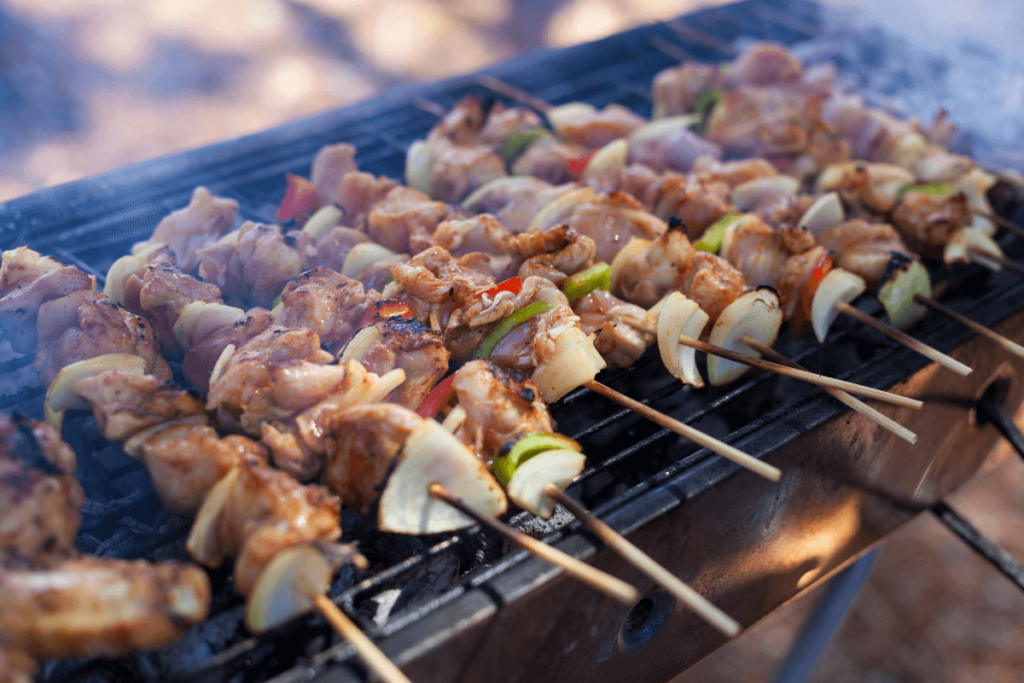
(823, 621)
(990, 408)
(984, 546)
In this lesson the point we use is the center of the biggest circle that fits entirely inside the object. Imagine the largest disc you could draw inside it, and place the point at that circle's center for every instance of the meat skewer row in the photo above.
(57, 603)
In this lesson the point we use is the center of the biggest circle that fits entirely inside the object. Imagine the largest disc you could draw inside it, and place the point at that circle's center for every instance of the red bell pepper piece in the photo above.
(513, 284)
(438, 397)
(579, 164)
(386, 308)
(300, 200)
(801, 321)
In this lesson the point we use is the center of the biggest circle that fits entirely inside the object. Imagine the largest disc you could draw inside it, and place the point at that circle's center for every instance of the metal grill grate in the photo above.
(638, 472)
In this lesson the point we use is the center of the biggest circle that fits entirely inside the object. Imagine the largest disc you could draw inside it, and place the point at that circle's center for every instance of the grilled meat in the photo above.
(602, 314)
(329, 304)
(412, 347)
(203, 221)
(553, 254)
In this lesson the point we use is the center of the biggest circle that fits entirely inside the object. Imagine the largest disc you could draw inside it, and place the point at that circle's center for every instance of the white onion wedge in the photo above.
(471, 202)
(454, 419)
(626, 255)
(747, 195)
(60, 395)
(662, 128)
(286, 587)
(838, 285)
(361, 343)
(222, 362)
(432, 455)
(362, 256)
(574, 363)
(564, 115)
(611, 157)
(561, 207)
(824, 214)
(323, 221)
(203, 544)
(419, 161)
(756, 313)
(959, 248)
(904, 277)
(677, 316)
(199, 319)
(126, 266)
(558, 467)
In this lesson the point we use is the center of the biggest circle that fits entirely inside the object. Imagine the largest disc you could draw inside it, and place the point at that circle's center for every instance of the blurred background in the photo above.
(91, 85)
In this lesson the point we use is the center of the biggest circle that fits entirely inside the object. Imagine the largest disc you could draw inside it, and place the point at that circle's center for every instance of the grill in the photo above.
(460, 608)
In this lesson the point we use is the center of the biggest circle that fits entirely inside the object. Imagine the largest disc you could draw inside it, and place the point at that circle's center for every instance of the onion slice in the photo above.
(61, 396)
(202, 543)
(323, 221)
(611, 157)
(199, 319)
(958, 248)
(432, 455)
(124, 267)
(558, 467)
(824, 214)
(677, 316)
(560, 208)
(749, 194)
(564, 115)
(756, 313)
(574, 363)
(362, 256)
(661, 128)
(838, 285)
(633, 249)
(904, 277)
(419, 161)
(361, 343)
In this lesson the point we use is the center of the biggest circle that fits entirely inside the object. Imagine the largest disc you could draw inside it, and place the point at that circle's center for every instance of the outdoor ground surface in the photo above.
(91, 85)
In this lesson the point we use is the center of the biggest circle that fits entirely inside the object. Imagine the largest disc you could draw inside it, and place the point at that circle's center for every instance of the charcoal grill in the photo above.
(463, 610)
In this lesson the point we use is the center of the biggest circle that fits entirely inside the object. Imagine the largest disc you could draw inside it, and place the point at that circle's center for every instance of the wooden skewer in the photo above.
(671, 49)
(1002, 222)
(512, 92)
(1001, 260)
(691, 33)
(365, 648)
(905, 339)
(581, 571)
(788, 370)
(979, 329)
(709, 442)
(642, 561)
(429, 107)
(841, 396)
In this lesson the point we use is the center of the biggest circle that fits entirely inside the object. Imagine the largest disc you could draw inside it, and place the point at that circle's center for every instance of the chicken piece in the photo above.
(531, 344)
(202, 355)
(548, 159)
(499, 408)
(784, 210)
(504, 122)
(871, 134)
(636, 180)
(612, 221)
(517, 200)
(456, 170)
(864, 248)
(645, 276)
(158, 292)
(330, 165)
(40, 499)
(596, 128)
(675, 150)
(677, 89)
(331, 305)
(482, 233)
(795, 273)
(203, 221)
(358, 193)
(603, 314)
(462, 124)
(796, 240)
(15, 665)
(765, 121)
(929, 221)
(126, 403)
(698, 200)
(27, 281)
(253, 263)
(404, 220)
(736, 172)
(755, 250)
(92, 607)
(367, 439)
(875, 186)
(273, 376)
(332, 248)
(412, 347)
(554, 254)
(264, 511)
(713, 283)
(765, 63)
(86, 324)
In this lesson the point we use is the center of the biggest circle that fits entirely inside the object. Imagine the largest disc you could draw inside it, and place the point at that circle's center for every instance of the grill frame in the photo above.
(517, 604)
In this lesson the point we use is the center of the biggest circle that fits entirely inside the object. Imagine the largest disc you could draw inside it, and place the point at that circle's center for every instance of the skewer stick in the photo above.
(977, 328)
(1002, 222)
(841, 396)
(429, 107)
(905, 339)
(581, 571)
(789, 370)
(512, 92)
(1001, 260)
(709, 442)
(365, 648)
(642, 561)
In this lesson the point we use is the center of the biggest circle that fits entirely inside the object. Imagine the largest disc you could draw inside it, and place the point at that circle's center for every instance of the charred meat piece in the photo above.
(203, 352)
(873, 186)
(864, 248)
(554, 254)
(644, 273)
(603, 314)
(330, 304)
(27, 281)
(755, 250)
(698, 200)
(91, 607)
(203, 221)
(405, 219)
(40, 499)
(929, 221)
(86, 324)
(478, 234)
(413, 347)
(713, 283)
